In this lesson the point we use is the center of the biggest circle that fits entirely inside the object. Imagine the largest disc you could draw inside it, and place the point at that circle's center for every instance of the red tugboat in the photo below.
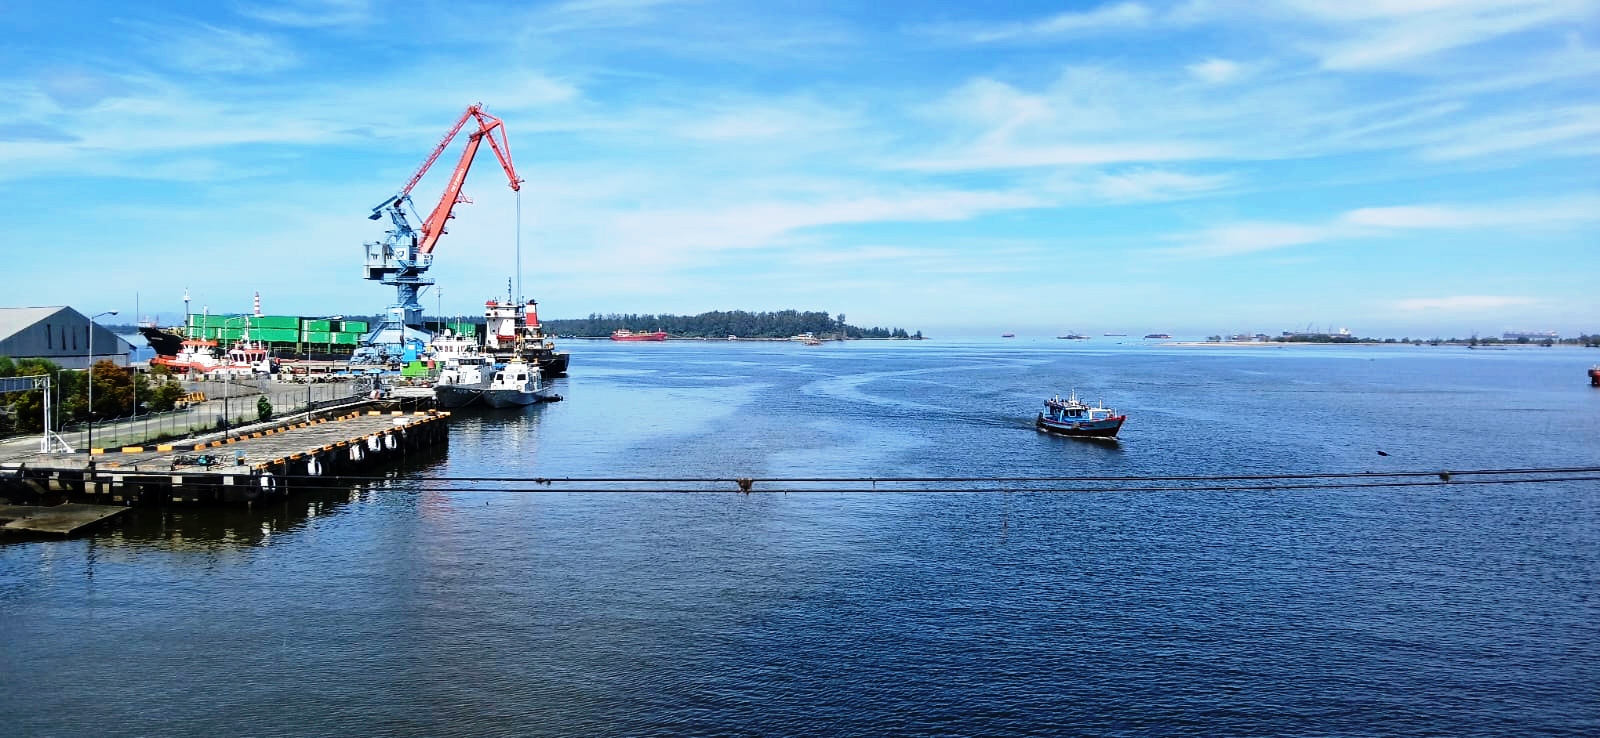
(1070, 417)
(623, 334)
(1594, 376)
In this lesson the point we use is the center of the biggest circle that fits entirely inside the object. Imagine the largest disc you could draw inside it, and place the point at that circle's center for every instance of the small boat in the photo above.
(1008, 335)
(515, 385)
(623, 334)
(1070, 417)
(462, 381)
(1594, 376)
(1074, 337)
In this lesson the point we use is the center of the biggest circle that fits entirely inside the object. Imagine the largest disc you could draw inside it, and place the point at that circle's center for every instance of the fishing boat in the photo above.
(515, 385)
(623, 334)
(1071, 417)
(1008, 335)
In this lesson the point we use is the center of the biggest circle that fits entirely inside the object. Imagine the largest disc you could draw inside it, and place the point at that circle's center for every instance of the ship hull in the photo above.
(1082, 429)
(451, 396)
(502, 398)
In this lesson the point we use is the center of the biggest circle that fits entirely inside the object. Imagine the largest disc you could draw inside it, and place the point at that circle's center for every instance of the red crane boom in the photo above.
(433, 227)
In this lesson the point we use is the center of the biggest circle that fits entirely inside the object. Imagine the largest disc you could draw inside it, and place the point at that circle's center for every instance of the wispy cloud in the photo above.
(1461, 303)
(671, 235)
(203, 48)
(1236, 239)
(309, 13)
(1376, 35)
(1217, 71)
(1061, 25)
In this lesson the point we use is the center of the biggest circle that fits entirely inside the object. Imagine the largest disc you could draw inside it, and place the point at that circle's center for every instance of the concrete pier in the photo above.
(260, 465)
(60, 520)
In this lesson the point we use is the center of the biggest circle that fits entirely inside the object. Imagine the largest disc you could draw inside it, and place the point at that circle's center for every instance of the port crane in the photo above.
(402, 259)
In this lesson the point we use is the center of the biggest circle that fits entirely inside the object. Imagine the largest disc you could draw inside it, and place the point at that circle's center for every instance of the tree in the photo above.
(165, 396)
(113, 390)
(263, 408)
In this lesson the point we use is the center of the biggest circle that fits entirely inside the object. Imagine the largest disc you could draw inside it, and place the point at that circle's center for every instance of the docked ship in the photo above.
(623, 334)
(165, 342)
(513, 332)
(195, 357)
(1071, 417)
(515, 385)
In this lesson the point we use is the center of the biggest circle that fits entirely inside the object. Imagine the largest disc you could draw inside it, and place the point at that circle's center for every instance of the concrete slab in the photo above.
(61, 520)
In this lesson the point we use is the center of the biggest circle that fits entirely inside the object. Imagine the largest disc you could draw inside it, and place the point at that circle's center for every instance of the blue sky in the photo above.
(1404, 167)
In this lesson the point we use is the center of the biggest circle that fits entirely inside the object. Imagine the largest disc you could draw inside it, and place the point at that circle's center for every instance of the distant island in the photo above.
(724, 324)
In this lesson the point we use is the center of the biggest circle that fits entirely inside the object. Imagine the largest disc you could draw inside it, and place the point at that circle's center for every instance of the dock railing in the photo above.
(228, 404)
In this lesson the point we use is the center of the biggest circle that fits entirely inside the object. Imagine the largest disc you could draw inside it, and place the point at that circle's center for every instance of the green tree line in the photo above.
(721, 324)
(114, 390)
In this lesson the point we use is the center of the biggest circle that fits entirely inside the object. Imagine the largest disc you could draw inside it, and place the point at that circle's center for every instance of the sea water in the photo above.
(410, 606)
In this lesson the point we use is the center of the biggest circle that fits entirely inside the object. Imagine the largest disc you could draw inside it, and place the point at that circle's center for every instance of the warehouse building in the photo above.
(59, 334)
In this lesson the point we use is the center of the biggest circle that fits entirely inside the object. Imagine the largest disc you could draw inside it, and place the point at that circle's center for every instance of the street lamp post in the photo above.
(90, 441)
(227, 376)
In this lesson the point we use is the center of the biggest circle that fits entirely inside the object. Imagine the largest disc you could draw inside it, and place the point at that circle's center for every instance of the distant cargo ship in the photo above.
(623, 334)
(1113, 334)
(1156, 335)
(1008, 335)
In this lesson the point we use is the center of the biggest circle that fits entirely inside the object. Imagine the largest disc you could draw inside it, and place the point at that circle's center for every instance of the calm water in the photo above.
(404, 609)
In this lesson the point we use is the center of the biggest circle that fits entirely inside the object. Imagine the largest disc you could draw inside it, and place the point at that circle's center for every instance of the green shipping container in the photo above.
(347, 339)
(319, 337)
(275, 321)
(317, 325)
(275, 335)
(355, 326)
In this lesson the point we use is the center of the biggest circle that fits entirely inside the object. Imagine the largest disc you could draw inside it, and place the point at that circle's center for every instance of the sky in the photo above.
(1397, 167)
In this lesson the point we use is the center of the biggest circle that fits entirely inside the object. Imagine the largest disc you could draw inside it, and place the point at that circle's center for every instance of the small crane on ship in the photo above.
(403, 258)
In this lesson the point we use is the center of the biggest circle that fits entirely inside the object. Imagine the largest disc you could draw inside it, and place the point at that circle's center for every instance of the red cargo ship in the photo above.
(623, 334)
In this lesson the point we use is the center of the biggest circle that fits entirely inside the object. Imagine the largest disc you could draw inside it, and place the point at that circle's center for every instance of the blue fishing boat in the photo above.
(1070, 417)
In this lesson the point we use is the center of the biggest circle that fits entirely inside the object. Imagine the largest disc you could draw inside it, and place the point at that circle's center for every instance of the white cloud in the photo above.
(1106, 17)
(203, 48)
(1247, 238)
(1147, 185)
(1216, 71)
(1378, 35)
(1462, 303)
(1367, 223)
(309, 13)
(670, 235)
(1017, 156)
(767, 120)
(1555, 129)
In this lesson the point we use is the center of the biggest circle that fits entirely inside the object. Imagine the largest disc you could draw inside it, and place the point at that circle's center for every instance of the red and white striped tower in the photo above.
(258, 304)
